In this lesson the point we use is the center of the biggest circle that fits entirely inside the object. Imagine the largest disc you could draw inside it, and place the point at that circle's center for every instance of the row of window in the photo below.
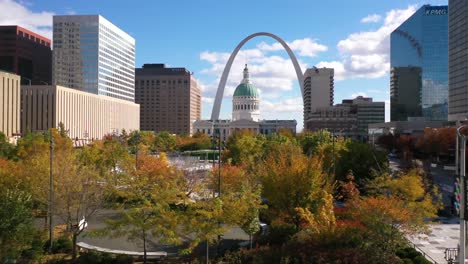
(246, 107)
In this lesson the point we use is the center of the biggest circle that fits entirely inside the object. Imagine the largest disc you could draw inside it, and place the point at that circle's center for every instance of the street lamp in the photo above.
(461, 170)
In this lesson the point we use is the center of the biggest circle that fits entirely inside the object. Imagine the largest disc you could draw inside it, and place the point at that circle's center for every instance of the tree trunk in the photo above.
(250, 237)
(74, 253)
(207, 252)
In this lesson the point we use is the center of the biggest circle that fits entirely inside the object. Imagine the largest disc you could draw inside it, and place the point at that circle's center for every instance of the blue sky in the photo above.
(351, 36)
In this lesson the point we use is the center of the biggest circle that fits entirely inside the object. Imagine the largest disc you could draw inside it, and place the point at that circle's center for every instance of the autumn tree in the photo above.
(150, 192)
(32, 170)
(238, 205)
(197, 141)
(293, 184)
(393, 208)
(78, 190)
(405, 144)
(436, 141)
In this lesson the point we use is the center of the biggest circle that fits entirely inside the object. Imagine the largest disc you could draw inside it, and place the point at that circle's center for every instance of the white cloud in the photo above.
(208, 100)
(378, 91)
(16, 13)
(270, 73)
(290, 105)
(366, 54)
(338, 66)
(305, 47)
(374, 18)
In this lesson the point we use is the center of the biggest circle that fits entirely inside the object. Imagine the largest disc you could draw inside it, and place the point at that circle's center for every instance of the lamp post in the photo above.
(461, 170)
(219, 183)
(51, 194)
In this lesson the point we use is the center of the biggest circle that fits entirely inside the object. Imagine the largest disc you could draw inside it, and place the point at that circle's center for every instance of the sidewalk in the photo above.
(443, 235)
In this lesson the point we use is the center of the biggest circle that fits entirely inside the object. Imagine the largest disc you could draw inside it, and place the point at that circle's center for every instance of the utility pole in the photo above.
(461, 164)
(51, 193)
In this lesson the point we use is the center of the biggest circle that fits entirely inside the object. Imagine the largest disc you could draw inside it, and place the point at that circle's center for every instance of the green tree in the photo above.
(7, 150)
(363, 160)
(244, 148)
(16, 230)
(165, 142)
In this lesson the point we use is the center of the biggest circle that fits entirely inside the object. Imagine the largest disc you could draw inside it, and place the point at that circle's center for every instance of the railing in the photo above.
(451, 255)
(424, 253)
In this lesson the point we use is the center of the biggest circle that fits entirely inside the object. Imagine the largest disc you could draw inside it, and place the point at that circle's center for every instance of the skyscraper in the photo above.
(169, 98)
(458, 60)
(93, 55)
(421, 41)
(405, 93)
(25, 53)
(318, 90)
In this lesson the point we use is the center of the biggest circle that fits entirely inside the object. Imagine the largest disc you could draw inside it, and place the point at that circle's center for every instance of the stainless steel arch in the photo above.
(227, 68)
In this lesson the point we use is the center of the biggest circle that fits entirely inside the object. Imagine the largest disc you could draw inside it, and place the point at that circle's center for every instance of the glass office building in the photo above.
(422, 42)
(93, 55)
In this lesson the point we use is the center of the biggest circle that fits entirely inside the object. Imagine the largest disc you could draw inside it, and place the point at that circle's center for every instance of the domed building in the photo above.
(245, 114)
(245, 101)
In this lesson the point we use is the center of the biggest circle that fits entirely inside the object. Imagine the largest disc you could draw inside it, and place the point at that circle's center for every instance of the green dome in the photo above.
(246, 89)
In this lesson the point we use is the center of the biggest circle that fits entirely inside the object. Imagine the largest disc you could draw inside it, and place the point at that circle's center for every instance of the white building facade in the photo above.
(10, 111)
(93, 55)
(84, 115)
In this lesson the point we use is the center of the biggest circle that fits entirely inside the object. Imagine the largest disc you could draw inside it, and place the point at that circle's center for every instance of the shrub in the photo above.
(421, 260)
(62, 245)
(93, 257)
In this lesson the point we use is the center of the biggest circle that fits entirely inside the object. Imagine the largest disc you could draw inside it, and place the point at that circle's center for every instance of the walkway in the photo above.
(443, 235)
(152, 255)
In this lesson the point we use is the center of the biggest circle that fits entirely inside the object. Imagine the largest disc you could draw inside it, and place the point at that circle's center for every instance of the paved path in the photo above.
(232, 236)
(444, 235)
(150, 254)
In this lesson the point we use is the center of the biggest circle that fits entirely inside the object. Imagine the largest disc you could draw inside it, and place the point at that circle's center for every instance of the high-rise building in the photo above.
(421, 41)
(350, 118)
(93, 55)
(405, 93)
(9, 103)
(318, 90)
(84, 115)
(25, 53)
(169, 98)
(458, 60)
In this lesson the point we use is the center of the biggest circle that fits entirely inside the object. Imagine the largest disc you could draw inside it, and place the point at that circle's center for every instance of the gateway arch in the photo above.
(227, 69)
